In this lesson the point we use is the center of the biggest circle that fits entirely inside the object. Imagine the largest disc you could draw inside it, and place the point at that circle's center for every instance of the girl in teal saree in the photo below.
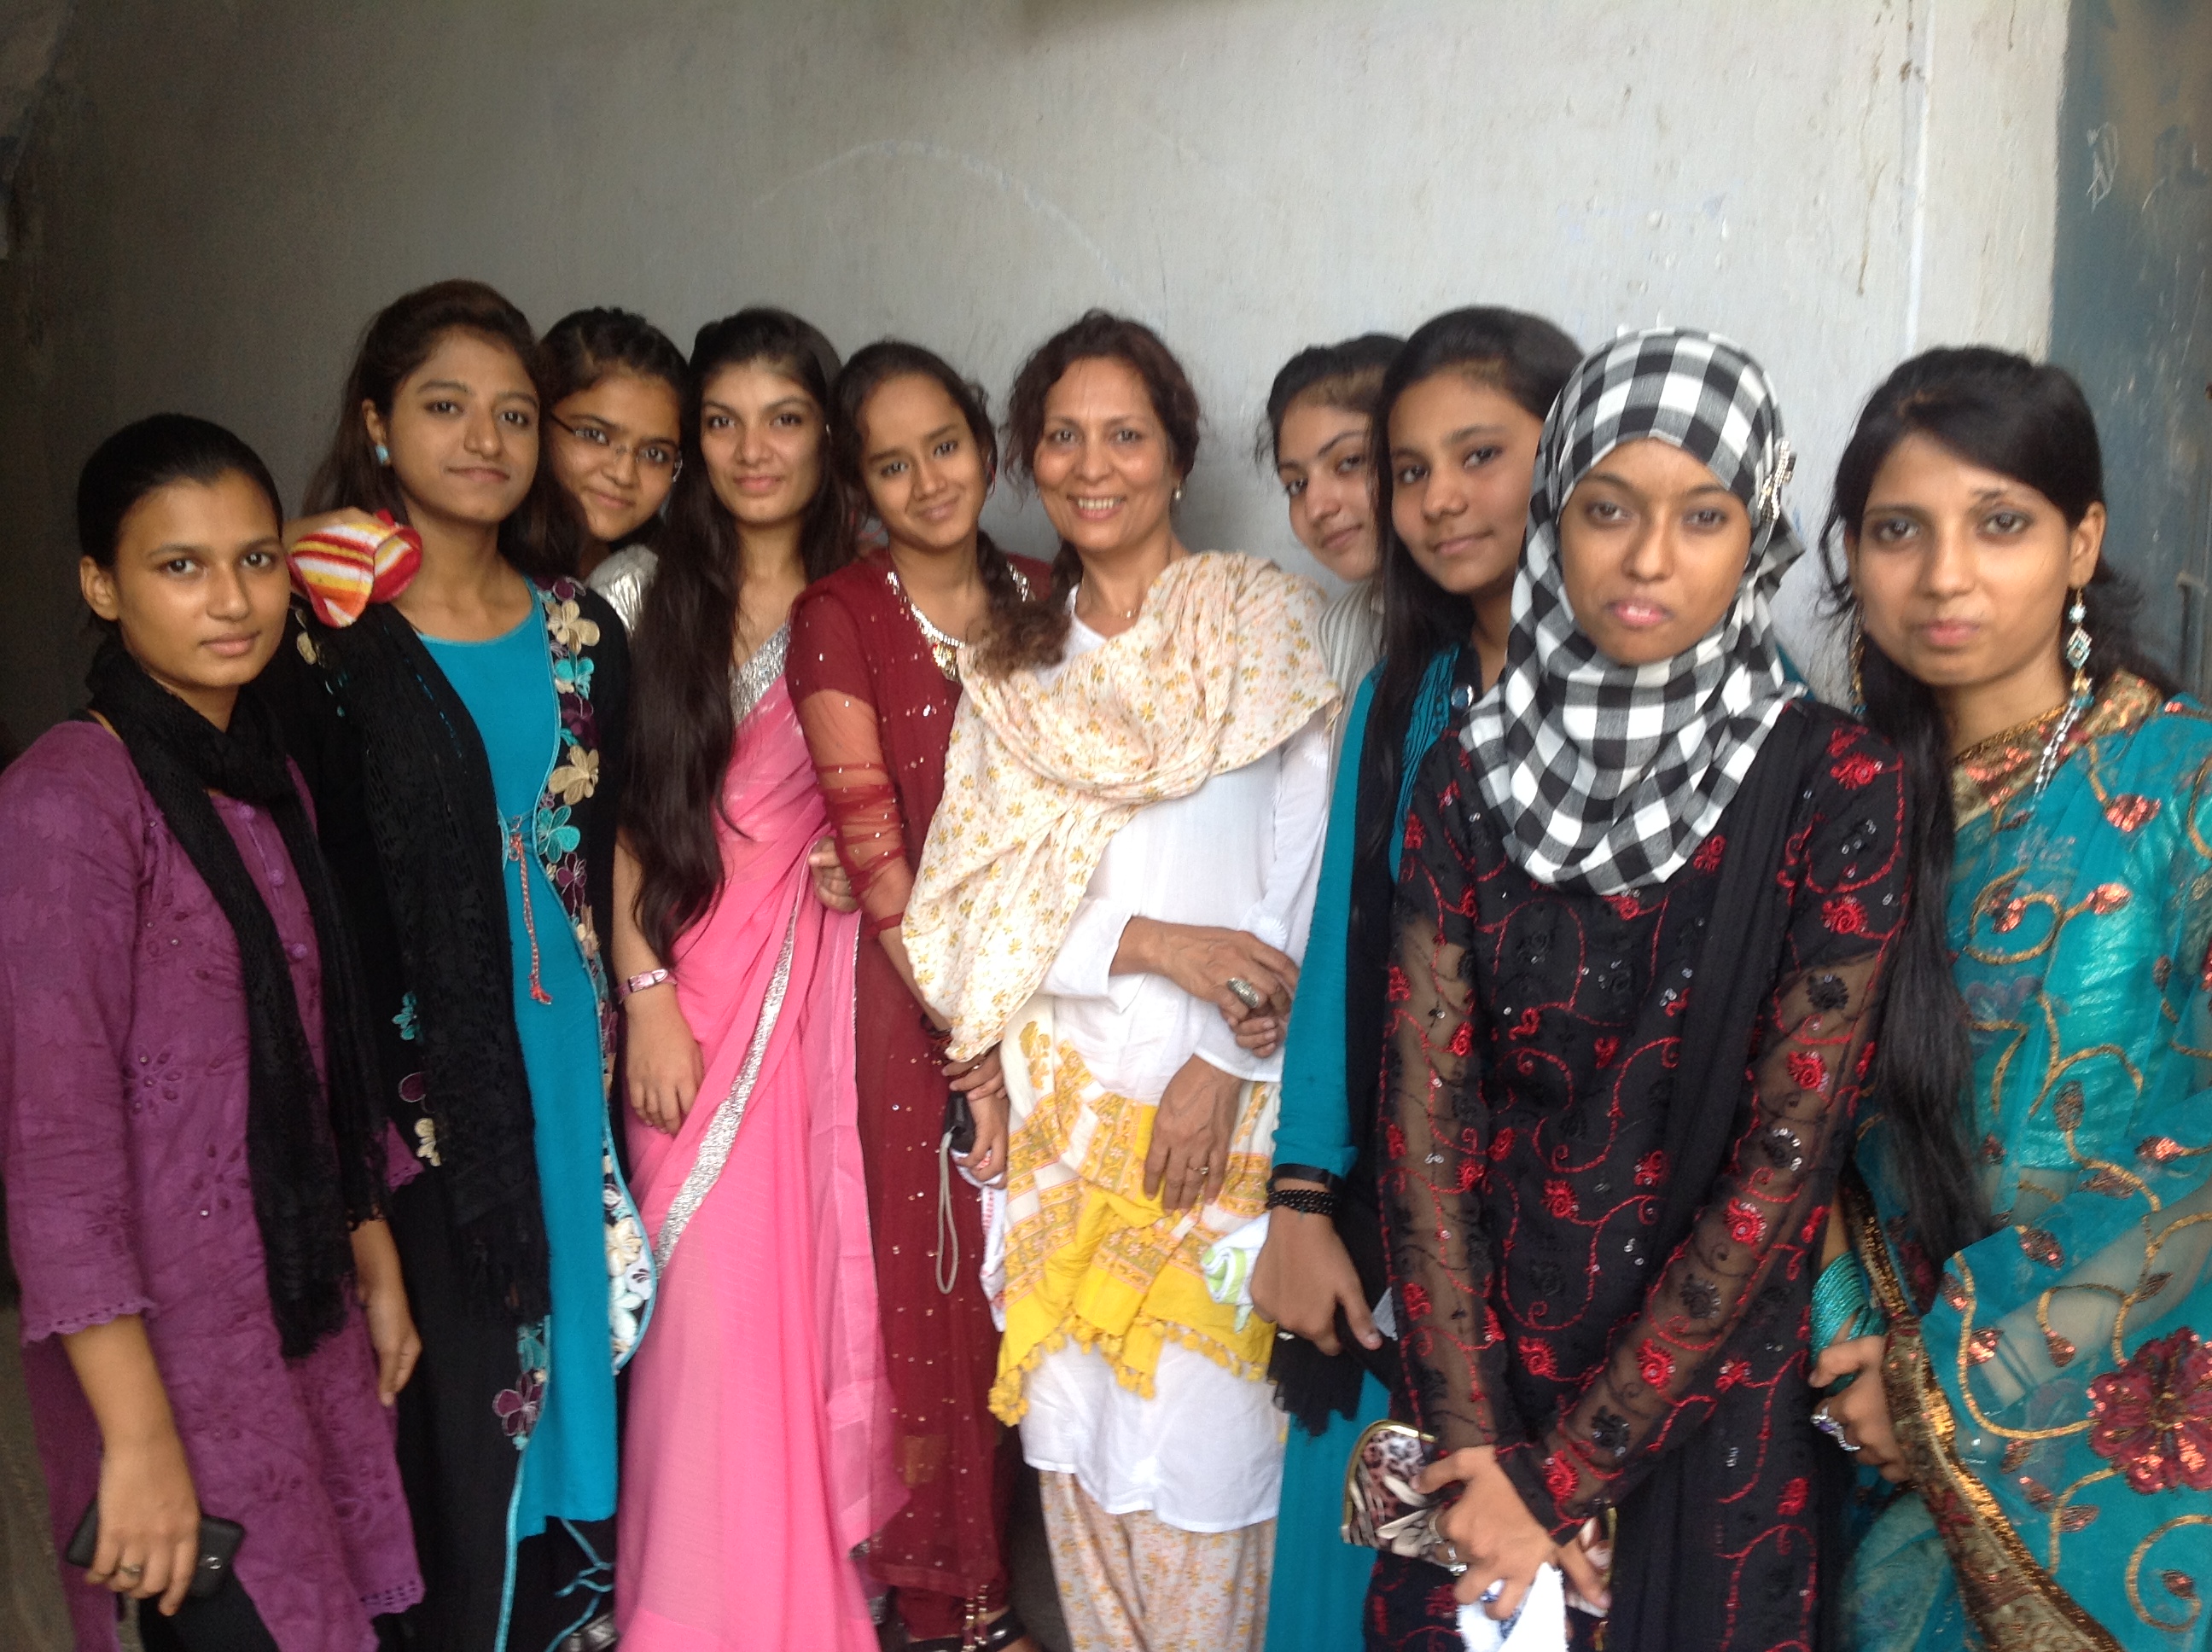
(2037, 1400)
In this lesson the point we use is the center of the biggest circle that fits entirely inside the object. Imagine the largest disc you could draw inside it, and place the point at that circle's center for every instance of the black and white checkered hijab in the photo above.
(1607, 777)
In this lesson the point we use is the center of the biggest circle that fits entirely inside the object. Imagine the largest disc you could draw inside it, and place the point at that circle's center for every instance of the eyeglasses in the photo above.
(650, 455)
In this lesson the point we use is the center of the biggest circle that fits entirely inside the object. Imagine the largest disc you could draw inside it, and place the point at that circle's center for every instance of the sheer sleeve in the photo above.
(1764, 1218)
(842, 739)
(829, 684)
(1436, 1130)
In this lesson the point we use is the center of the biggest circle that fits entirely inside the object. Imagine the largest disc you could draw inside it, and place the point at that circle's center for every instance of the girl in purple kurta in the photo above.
(193, 1210)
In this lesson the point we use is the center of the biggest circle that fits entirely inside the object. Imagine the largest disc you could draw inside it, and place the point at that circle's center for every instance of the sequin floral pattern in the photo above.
(2051, 1384)
(1221, 667)
(1531, 1041)
(573, 777)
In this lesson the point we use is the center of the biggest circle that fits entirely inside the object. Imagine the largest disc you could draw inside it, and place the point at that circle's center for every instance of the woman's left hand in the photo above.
(832, 888)
(983, 1082)
(1188, 1162)
(1864, 1407)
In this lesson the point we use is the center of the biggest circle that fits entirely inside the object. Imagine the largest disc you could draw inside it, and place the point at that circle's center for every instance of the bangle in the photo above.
(637, 984)
(1327, 1179)
(1310, 1201)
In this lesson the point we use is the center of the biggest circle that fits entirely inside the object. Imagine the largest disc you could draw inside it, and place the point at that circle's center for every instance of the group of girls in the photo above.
(907, 1005)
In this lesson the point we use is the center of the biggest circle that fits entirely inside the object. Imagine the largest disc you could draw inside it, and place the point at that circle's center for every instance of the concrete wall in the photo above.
(220, 191)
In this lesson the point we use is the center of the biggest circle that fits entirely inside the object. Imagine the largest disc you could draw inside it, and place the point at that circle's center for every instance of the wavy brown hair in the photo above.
(681, 720)
(1035, 632)
(541, 537)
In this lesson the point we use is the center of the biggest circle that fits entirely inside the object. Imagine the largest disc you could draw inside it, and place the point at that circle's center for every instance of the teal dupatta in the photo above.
(2053, 1392)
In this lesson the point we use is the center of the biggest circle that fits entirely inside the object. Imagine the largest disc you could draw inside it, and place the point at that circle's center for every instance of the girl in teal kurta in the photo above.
(569, 1472)
(2044, 1391)
(1458, 415)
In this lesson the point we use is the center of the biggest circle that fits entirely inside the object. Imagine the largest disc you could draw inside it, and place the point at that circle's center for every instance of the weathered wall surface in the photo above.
(217, 195)
(2128, 295)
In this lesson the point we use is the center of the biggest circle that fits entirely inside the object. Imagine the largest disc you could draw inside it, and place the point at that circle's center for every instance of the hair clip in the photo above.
(1770, 492)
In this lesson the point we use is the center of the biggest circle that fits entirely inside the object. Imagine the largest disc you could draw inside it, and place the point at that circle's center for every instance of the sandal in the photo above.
(1000, 1632)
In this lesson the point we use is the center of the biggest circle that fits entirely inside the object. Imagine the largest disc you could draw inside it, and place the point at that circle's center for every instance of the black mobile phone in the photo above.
(219, 1541)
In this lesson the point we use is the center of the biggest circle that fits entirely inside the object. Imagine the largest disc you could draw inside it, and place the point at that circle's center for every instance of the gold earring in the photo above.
(2078, 645)
(1858, 668)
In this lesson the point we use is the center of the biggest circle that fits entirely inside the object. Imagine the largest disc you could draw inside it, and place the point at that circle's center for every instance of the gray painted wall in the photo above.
(2131, 315)
(218, 192)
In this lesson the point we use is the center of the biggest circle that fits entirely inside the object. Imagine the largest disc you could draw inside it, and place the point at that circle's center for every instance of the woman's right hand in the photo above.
(1304, 1274)
(1203, 960)
(1499, 1541)
(150, 1521)
(660, 1058)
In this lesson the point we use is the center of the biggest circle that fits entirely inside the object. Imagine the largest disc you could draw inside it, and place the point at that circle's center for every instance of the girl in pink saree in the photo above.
(758, 1453)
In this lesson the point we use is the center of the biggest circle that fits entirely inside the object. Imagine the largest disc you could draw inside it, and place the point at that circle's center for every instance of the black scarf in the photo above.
(313, 1163)
(1749, 923)
(426, 788)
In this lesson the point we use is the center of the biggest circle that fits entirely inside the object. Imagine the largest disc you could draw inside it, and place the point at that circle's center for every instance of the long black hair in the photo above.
(681, 721)
(541, 537)
(2029, 421)
(876, 365)
(1530, 360)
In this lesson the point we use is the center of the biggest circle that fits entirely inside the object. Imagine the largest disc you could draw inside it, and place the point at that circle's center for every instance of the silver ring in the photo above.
(1489, 1596)
(131, 1572)
(1247, 995)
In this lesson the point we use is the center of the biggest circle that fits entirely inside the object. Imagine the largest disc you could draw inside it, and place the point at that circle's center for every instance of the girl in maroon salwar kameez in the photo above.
(875, 681)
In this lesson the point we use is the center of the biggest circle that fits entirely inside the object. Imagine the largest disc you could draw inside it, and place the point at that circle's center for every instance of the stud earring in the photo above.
(383, 455)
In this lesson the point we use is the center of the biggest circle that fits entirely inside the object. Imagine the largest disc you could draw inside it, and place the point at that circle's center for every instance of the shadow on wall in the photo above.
(2131, 282)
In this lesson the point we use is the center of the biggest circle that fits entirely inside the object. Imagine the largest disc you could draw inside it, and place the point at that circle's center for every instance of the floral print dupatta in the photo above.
(2052, 1384)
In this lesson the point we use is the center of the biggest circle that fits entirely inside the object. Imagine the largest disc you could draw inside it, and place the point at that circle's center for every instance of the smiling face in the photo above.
(197, 588)
(1321, 459)
(1652, 551)
(1103, 466)
(463, 433)
(1462, 454)
(923, 470)
(1962, 573)
(616, 448)
(762, 436)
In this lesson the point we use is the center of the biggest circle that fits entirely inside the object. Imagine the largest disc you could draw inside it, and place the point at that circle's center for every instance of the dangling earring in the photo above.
(383, 455)
(2078, 645)
(1858, 668)
(1178, 493)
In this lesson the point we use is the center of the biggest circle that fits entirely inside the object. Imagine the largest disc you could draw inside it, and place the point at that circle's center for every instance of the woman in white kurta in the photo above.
(1114, 891)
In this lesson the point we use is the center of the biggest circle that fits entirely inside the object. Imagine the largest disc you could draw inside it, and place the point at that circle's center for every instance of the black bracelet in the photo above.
(1311, 1201)
(1327, 1179)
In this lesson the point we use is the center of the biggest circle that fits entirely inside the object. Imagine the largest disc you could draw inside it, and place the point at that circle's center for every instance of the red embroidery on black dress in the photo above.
(1533, 1035)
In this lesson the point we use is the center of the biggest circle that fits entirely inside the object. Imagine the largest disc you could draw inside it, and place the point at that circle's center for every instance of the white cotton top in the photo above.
(1351, 637)
(1242, 851)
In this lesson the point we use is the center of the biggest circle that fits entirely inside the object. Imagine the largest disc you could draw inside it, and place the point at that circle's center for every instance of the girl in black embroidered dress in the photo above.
(1602, 1294)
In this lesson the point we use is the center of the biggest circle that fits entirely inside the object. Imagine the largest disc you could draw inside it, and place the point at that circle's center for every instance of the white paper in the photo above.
(1540, 1626)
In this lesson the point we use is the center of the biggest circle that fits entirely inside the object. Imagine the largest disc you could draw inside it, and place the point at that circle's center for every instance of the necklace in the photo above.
(943, 648)
(1098, 603)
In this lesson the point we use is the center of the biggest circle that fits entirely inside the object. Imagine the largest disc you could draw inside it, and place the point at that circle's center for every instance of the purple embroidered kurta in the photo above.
(123, 1102)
